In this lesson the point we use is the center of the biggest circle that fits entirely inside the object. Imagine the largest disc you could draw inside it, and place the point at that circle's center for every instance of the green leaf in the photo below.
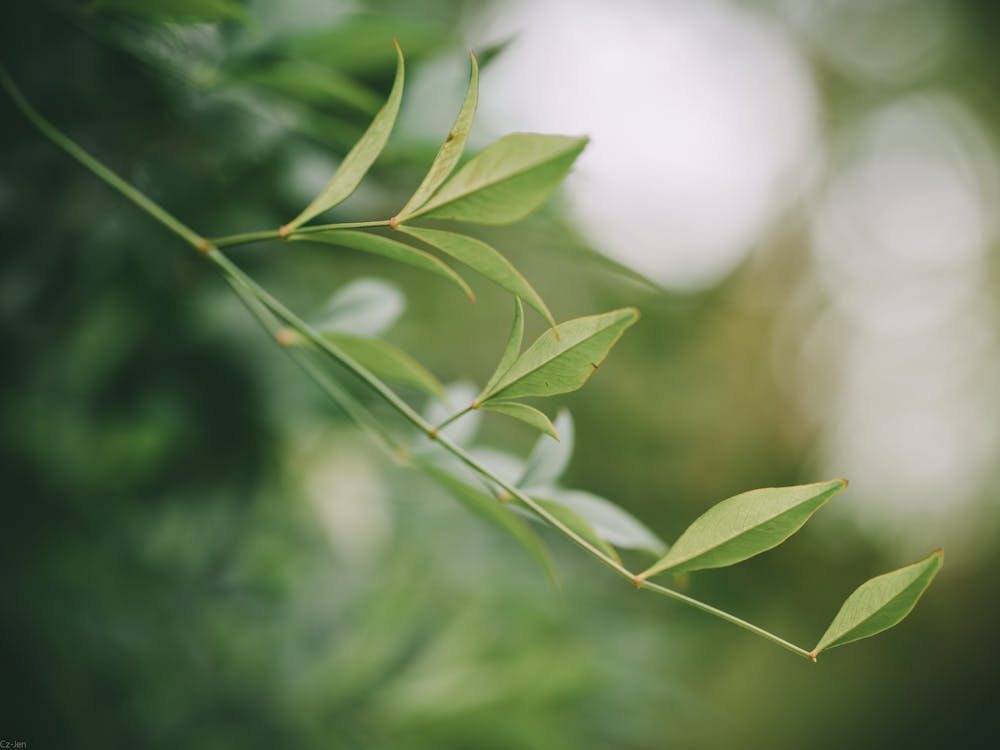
(451, 150)
(310, 83)
(512, 348)
(364, 307)
(563, 359)
(386, 361)
(177, 11)
(486, 260)
(579, 525)
(379, 245)
(527, 414)
(610, 521)
(745, 525)
(549, 459)
(880, 603)
(491, 510)
(360, 158)
(506, 181)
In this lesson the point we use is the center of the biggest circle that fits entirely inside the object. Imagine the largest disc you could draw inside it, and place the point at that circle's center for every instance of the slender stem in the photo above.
(453, 417)
(732, 619)
(262, 304)
(314, 228)
(62, 141)
(247, 238)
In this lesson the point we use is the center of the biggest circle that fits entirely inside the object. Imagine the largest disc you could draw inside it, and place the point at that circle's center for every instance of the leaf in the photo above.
(578, 525)
(512, 348)
(386, 361)
(379, 245)
(360, 158)
(745, 525)
(484, 259)
(176, 11)
(563, 359)
(549, 459)
(310, 83)
(491, 510)
(451, 150)
(880, 603)
(365, 307)
(527, 414)
(506, 181)
(612, 522)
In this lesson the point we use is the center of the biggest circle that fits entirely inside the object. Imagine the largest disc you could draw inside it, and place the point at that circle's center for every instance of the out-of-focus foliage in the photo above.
(197, 550)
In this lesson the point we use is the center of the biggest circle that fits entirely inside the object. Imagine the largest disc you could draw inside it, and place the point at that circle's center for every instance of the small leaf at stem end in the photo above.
(880, 603)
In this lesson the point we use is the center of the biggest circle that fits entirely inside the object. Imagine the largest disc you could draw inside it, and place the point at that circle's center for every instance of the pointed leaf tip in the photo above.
(881, 602)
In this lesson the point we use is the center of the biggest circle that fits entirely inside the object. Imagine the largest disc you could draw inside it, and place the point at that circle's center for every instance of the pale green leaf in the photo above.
(610, 521)
(491, 510)
(364, 307)
(485, 260)
(360, 158)
(528, 414)
(387, 248)
(512, 348)
(549, 459)
(880, 603)
(745, 525)
(578, 525)
(563, 359)
(386, 361)
(507, 180)
(451, 150)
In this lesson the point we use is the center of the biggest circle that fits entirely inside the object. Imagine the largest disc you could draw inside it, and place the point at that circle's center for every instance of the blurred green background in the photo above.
(198, 550)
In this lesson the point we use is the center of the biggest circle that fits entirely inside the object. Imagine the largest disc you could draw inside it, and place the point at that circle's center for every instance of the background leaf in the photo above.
(387, 248)
(451, 150)
(549, 459)
(387, 361)
(880, 603)
(491, 510)
(485, 260)
(745, 525)
(525, 413)
(579, 525)
(610, 521)
(364, 307)
(553, 365)
(507, 180)
(360, 158)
